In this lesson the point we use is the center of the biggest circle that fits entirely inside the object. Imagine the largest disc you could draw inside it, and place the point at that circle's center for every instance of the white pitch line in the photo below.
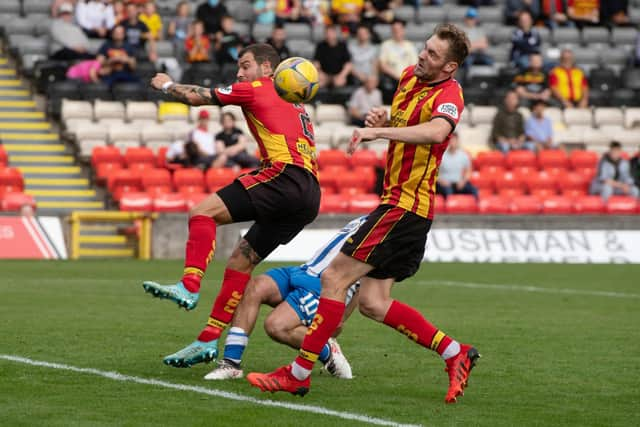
(208, 391)
(526, 288)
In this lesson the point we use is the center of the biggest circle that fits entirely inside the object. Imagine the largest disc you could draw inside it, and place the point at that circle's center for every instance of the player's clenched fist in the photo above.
(160, 79)
(376, 117)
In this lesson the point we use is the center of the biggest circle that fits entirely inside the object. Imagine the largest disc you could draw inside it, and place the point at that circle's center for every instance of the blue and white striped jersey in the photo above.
(323, 256)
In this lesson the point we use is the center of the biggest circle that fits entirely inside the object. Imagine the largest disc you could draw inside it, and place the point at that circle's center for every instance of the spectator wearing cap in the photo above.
(568, 83)
(507, 132)
(524, 41)
(455, 171)
(538, 128)
(55, 6)
(200, 148)
(231, 143)
(478, 37)
(614, 175)
(96, 17)
(68, 41)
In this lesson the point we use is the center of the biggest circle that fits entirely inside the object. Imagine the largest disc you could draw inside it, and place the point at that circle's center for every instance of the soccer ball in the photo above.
(296, 80)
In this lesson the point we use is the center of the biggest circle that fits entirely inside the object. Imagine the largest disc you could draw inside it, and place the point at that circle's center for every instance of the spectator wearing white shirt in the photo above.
(96, 18)
(364, 54)
(455, 171)
(396, 54)
(200, 150)
(364, 99)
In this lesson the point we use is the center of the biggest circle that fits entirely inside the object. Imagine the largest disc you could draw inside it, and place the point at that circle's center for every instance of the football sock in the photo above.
(325, 322)
(410, 322)
(200, 247)
(234, 345)
(325, 354)
(228, 298)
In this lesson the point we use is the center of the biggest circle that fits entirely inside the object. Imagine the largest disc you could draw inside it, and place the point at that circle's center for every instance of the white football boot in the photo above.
(226, 370)
(338, 365)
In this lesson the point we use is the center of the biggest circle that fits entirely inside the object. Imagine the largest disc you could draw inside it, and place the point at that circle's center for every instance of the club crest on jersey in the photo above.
(449, 109)
(225, 90)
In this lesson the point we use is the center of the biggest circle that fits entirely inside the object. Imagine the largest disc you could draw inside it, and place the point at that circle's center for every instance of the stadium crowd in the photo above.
(542, 57)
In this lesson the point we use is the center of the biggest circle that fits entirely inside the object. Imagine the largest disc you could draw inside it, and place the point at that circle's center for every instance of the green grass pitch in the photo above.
(551, 357)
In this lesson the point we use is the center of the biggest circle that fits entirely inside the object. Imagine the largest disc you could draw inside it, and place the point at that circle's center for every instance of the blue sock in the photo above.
(235, 344)
(325, 354)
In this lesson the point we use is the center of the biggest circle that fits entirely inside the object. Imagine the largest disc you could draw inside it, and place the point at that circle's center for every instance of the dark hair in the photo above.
(615, 144)
(228, 114)
(399, 21)
(537, 102)
(458, 41)
(262, 52)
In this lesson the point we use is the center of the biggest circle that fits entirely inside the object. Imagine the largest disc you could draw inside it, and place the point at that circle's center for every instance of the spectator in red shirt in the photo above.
(584, 12)
(197, 44)
(568, 82)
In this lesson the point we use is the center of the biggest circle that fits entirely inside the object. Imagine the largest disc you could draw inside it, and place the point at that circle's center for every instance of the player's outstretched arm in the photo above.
(189, 94)
(431, 132)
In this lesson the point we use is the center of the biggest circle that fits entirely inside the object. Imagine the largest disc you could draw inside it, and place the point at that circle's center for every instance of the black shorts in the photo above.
(392, 240)
(281, 198)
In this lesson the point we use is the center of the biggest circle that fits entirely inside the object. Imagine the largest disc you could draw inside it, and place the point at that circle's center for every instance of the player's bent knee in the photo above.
(275, 328)
(372, 308)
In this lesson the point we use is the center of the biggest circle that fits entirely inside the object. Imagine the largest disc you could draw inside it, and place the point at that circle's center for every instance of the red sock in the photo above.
(199, 250)
(225, 304)
(409, 321)
(325, 322)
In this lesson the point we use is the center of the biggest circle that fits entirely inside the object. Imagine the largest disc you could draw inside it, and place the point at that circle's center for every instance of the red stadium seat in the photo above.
(574, 183)
(509, 180)
(364, 158)
(440, 204)
(526, 205)
(14, 201)
(588, 205)
(353, 179)
(332, 157)
(155, 178)
(368, 173)
(134, 155)
(557, 205)
(541, 181)
(624, 205)
(186, 190)
(461, 204)
(186, 177)
(521, 158)
(485, 192)
(156, 190)
(106, 154)
(493, 205)
(363, 203)
(4, 158)
(553, 159)
(217, 178)
(103, 170)
(351, 191)
(136, 201)
(11, 180)
(511, 192)
(483, 182)
(330, 175)
(123, 181)
(587, 173)
(327, 190)
(172, 202)
(580, 159)
(334, 203)
(489, 158)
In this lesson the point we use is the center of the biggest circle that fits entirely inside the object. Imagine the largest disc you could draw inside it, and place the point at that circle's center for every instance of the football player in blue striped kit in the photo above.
(294, 293)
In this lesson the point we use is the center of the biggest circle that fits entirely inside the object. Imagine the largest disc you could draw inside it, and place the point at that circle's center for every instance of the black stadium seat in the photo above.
(129, 92)
(57, 91)
(603, 79)
(93, 91)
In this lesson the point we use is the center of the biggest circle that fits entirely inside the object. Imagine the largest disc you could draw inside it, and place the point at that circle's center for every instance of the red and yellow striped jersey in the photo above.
(283, 131)
(411, 171)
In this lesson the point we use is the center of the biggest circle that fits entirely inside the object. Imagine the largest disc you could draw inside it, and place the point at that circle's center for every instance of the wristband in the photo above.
(167, 86)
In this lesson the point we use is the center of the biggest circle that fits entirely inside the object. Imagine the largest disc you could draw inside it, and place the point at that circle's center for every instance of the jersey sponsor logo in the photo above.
(225, 90)
(449, 109)
(256, 84)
